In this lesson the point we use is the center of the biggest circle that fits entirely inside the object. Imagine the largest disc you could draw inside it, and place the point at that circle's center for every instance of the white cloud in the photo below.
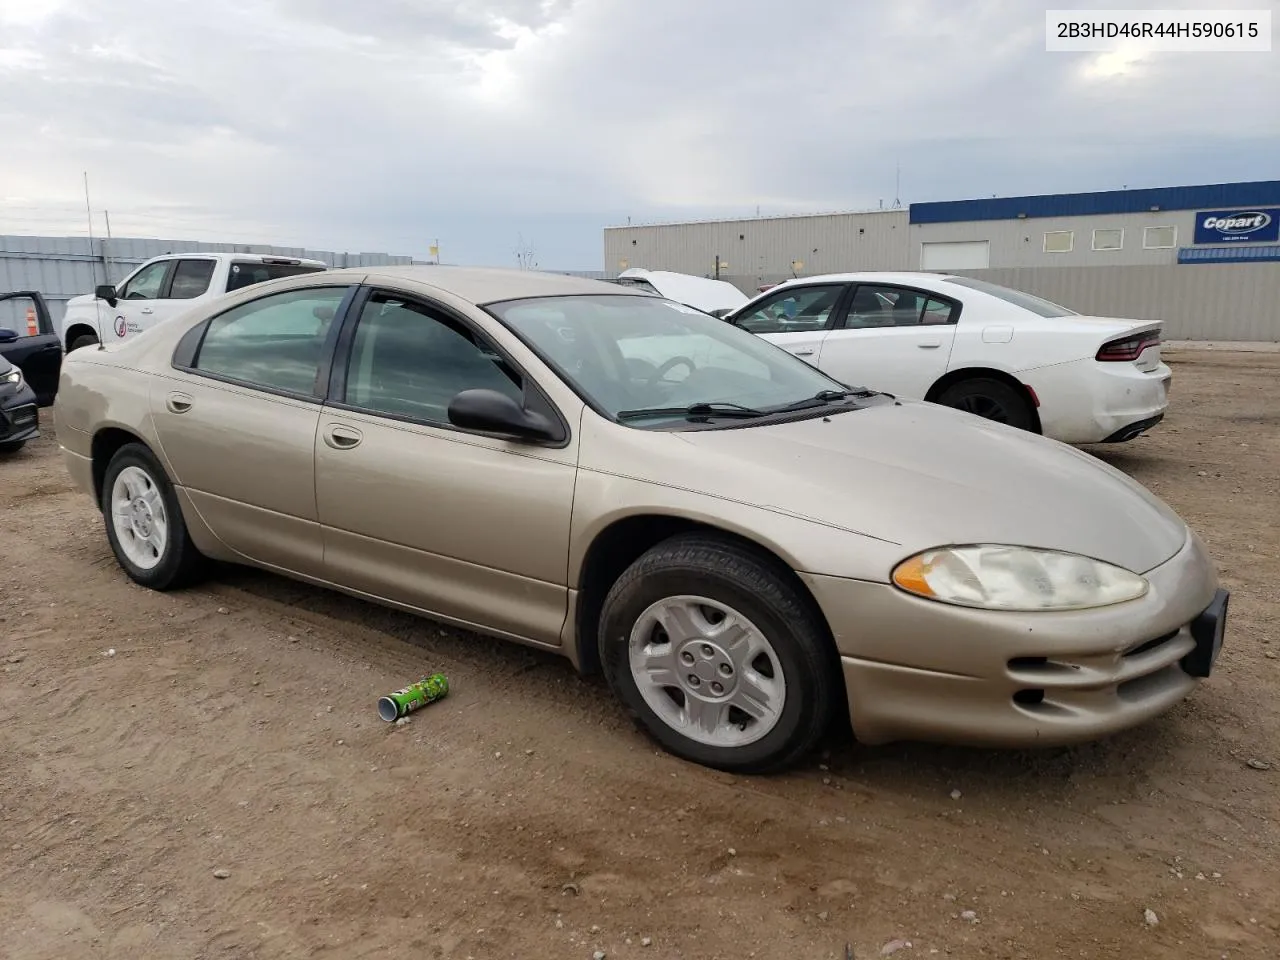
(314, 122)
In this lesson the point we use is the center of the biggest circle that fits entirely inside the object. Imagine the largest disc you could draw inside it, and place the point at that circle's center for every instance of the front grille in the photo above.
(1150, 644)
(1073, 682)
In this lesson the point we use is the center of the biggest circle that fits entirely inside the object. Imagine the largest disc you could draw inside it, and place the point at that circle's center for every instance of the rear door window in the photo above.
(190, 279)
(245, 273)
(276, 342)
(875, 305)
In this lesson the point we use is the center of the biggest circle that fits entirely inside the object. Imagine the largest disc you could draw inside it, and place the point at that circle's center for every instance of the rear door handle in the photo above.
(804, 351)
(342, 438)
(929, 344)
(178, 402)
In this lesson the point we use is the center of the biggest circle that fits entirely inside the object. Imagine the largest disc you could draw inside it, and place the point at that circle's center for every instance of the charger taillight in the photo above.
(1128, 348)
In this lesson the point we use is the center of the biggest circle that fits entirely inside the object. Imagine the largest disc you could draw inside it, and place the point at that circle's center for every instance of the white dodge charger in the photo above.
(974, 345)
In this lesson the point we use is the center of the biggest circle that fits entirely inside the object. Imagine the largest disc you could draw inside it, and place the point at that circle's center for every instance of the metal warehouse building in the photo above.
(1204, 259)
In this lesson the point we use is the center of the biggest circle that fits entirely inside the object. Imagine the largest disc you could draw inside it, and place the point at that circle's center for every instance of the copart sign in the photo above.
(1260, 225)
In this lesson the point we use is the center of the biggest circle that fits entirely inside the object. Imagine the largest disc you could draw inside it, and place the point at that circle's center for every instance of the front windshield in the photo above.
(628, 354)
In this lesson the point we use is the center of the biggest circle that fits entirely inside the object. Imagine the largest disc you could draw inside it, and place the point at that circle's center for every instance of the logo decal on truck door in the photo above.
(121, 329)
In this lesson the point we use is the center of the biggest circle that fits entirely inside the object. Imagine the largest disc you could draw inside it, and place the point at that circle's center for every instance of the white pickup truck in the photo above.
(163, 287)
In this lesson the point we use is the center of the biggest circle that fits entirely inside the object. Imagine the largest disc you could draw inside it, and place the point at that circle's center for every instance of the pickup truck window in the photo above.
(146, 284)
(190, 279)
(247, 272)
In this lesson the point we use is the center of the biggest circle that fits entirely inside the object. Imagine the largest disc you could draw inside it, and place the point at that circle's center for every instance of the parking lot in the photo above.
(204, 774)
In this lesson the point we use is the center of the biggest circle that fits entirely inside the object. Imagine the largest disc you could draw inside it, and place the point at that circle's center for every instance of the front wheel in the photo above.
(715, 654)
(84, 340)
(144, 522)
(13, 446)
(991, 399)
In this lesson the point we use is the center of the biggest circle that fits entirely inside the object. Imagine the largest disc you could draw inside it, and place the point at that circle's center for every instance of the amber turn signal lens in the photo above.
(910, 576)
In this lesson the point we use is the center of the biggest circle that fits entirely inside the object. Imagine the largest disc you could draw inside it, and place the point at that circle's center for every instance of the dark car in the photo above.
(19, 416)
(29, 342)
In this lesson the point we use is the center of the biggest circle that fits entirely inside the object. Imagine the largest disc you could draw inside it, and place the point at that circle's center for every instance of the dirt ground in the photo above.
(234, 730)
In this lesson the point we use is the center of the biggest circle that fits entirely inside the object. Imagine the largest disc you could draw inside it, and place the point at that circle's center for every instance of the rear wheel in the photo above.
(144, 522)
(715, 654)
(990, 399)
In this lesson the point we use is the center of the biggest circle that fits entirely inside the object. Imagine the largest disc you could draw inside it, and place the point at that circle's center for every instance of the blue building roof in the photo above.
(1212, 196)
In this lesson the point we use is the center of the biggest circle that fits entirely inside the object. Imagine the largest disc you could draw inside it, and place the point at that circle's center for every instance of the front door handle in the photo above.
(178, 402)
(146, 310)
(342, 438)
(804, 351)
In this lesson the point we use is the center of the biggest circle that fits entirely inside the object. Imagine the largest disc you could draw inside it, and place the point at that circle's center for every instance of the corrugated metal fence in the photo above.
(1219, 301)
(65, 267)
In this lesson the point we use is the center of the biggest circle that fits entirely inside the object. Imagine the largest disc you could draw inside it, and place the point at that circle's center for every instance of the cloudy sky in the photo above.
(499, 125)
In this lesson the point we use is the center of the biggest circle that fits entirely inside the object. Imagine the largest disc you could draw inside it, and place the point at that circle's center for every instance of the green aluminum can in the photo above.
(395, 705)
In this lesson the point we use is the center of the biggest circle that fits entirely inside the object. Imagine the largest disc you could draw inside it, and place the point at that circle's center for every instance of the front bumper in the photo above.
(19, 417)
(916, 669)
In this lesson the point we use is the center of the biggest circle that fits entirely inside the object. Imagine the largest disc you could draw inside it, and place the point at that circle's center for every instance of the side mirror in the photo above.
(494, 412)
(7, 335)
(105, 291)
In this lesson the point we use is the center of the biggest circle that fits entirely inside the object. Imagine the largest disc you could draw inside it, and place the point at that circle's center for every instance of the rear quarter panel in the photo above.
(94, 394)
(994, 334)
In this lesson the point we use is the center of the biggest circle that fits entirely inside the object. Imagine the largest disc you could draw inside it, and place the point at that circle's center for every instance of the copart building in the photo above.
(1204, 259)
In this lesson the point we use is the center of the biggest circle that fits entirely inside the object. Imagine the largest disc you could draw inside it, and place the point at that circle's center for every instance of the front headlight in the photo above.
(14, 376)
(997, 577)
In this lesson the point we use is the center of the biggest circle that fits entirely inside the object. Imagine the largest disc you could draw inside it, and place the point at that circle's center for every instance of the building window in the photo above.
(1059, 241)
(1108, 239)
(1159, 238)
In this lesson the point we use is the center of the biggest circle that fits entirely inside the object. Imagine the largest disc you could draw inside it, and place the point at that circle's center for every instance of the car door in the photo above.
(136, 301)
(189, 279)
(893, 338)
(28, 341)
(797, 317)
(464, 525)
(237, 422)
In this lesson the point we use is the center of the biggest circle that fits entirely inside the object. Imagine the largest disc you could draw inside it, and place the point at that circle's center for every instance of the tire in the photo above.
(177, 562)
(13, 446)
(84, 340)
(990, 399)
(739, 587)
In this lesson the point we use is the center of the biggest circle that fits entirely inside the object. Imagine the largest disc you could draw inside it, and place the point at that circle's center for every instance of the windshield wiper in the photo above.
(695, 411)
(824, 397)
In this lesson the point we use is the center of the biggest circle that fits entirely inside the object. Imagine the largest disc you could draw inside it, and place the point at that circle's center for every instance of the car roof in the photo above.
(873, 276)
(251, 257)
(480, 285)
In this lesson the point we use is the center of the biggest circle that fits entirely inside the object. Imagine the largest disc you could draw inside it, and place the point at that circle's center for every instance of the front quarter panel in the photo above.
(612, 486)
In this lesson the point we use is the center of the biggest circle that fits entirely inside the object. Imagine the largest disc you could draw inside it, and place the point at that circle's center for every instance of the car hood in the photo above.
(922, 476)
(701, 293)
(84, 300)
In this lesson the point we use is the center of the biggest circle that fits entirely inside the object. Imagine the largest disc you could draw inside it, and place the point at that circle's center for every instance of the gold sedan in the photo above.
(743, 545)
